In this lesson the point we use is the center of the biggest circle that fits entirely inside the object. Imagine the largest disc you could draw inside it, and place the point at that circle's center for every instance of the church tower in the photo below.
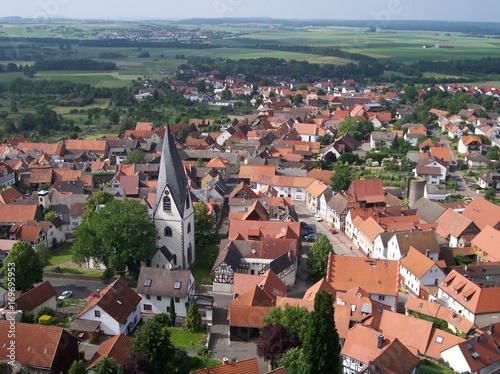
(173, 213)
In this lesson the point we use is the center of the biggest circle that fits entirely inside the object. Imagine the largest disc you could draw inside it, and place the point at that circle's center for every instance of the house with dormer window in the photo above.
(157, 287)
(116, 310)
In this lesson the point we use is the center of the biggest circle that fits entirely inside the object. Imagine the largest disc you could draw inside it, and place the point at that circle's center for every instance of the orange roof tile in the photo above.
(488, 240)
(250, 366)
(35, 297)
(452, 223)
(417, 263)
(17, 213)
(483, 213)
(115, 347)
(316, 188)
(247, 171)
(86, 145)
(281, 180)
(374, 276)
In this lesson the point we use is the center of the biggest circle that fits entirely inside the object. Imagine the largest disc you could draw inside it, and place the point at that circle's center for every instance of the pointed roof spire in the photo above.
(172, 174)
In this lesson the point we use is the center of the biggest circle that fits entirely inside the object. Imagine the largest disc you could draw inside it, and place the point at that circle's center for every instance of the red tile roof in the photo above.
(345, 273)
(17, 213)
(483, 213)
(369, 190)
(108, 301)
(250, 366)
(116, 348)
(488, 240)
(35, 297)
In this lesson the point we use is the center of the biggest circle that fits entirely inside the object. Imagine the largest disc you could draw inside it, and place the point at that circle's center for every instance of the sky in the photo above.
(370, 10)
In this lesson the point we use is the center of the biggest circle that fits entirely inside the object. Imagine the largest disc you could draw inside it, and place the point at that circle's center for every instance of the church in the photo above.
(173, 212)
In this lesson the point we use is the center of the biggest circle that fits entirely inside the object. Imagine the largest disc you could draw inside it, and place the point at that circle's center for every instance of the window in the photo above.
(168, 309)
(189, 227)
(147, 283)
(381, 297)
(167, 232)
(158, 298)
(190, 253)
(177, 285)
(148, 297)
(97, 313)
(148, 307)
(187, 201)
(167, 204)
(177, 300)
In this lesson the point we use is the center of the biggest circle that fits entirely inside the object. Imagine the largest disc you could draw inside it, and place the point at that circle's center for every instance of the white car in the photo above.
(318, 218)
(65, 295)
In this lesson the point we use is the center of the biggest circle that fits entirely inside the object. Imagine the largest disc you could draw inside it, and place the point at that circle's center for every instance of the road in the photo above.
(81, 288)
(341, 242)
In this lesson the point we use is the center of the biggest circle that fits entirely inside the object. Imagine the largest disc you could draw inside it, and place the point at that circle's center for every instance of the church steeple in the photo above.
(173, 212)
(172, 174)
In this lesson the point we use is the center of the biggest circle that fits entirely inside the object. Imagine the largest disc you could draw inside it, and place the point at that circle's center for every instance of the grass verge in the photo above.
(61, 256)
(88, 272)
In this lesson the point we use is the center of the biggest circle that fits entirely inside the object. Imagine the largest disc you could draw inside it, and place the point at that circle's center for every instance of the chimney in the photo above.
(477, 338)
(490, 328)
(380, 341)
(427, 253)
(98, 293)
(374, 262)
(225, 361)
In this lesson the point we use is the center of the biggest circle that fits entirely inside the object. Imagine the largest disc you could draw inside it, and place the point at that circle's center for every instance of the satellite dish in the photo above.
(169, 266)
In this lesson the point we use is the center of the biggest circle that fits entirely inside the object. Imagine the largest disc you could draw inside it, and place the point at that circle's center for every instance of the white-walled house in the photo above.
(117, 308)
(418, 270)
(157, 286)
(286, 186)
(43, 295)
(399, 245)
(479, 305)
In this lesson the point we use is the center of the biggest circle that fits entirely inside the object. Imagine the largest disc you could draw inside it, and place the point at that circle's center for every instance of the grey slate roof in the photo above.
(427, 210)
(172, 174)
(229, 254)
(163, 282)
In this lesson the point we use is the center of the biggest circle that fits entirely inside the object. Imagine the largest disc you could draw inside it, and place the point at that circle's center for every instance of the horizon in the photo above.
(378, 11)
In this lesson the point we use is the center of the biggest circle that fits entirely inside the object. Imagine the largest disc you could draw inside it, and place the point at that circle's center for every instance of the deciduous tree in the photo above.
(274, 341)
(294, 318)
(22, 266)
(135, 364)
(136, 156)
(204, 225)
(317, 260)
(119, 235)
(77, 367)
(107, 365)
(91, 203)
(342, 178)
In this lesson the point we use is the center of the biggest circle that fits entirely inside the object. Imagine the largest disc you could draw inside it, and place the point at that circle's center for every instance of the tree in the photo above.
(107, 365)
(342, 178)
(193, 317)
(321, 347)
(294, 318)
(274, 341)
(226, 94)
(317, 260)
(93, 201)
(22, 267)
(135, 156)
(152, 341)
(43, 254)
(49, 215)
(172, 316)
(326, 139)
(493, 153)
(120, 235)
(135, 364)
(77, 367)
(204, 224)
(294, 361)
(350, 125)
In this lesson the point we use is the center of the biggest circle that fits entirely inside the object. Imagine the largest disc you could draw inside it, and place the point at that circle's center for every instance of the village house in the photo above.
(115, 310)
(486, 245)
(479, 305)
(379, 278)
(46, 349)
(42, 295)
(485, 180)
(365, 349)
(470, 143)
(116, 348)
(381, 139)
(456, 228)
(483, 213)
(419, 274)
(286, 186)
(313, 194)
(157, 286)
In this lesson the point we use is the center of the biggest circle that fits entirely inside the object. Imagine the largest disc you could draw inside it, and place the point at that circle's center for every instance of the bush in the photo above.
(44, 311)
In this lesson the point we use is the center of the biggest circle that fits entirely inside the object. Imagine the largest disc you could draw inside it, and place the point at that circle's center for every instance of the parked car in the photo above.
(92, 296)
(311, 238)
(65, 295)
(304, 225)
(333, 231)
(318, 218)
(309, 231)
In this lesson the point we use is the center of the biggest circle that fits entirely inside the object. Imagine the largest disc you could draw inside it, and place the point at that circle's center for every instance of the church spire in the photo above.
(172, 174)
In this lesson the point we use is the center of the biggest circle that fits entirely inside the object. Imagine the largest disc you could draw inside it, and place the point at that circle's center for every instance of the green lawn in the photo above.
(61, 256)
(184, 339)
(427, 367)
(196, 363)
(88, 272)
